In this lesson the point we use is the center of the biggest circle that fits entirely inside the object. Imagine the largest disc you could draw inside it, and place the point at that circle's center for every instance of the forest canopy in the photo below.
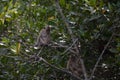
(84, 40)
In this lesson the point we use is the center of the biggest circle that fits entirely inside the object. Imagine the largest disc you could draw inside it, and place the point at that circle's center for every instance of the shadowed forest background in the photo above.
(93, 24)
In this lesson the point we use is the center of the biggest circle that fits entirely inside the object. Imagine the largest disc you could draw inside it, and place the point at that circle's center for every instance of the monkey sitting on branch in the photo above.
(44, 37)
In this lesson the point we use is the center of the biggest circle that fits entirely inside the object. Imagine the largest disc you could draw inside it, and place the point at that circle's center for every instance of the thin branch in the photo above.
(62, 70)
(64, 19)
(83, 69)
(70, 46)
(40, 50)
(63, 46)
(100, 57)
(72, 37)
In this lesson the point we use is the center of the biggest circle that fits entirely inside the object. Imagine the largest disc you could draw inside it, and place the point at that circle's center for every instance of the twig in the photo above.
(64, 19)
(70, 46)
(40, 50)
(62, 46)
(93, 71)
(62, 70)
(83, 69)
(72, 37)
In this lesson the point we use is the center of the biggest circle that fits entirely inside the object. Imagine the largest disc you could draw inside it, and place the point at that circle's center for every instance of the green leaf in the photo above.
(113, 50)
(62, 2)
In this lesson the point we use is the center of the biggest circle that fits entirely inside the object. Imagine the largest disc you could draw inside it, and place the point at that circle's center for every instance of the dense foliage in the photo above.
(92, 21)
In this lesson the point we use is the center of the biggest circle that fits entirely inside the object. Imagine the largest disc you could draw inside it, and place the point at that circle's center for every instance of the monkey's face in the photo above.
(47, 29)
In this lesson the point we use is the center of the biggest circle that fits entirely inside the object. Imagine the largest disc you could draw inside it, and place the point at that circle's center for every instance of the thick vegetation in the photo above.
(95, 23)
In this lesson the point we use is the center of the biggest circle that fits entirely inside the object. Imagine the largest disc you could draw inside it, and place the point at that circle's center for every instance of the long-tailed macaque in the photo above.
(74, 65)
(44, 37)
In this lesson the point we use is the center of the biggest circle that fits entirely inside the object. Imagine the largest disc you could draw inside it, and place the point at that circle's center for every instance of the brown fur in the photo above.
(74, 65)
(44, 37)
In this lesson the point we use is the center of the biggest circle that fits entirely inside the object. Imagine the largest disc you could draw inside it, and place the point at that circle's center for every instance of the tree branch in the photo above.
(72, 37)
(70, 46)
(54, 67)
(93, 71)
(64, 46)
(64, 19)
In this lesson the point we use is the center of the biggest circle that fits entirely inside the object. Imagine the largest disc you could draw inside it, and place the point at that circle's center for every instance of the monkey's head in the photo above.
(47, 28)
